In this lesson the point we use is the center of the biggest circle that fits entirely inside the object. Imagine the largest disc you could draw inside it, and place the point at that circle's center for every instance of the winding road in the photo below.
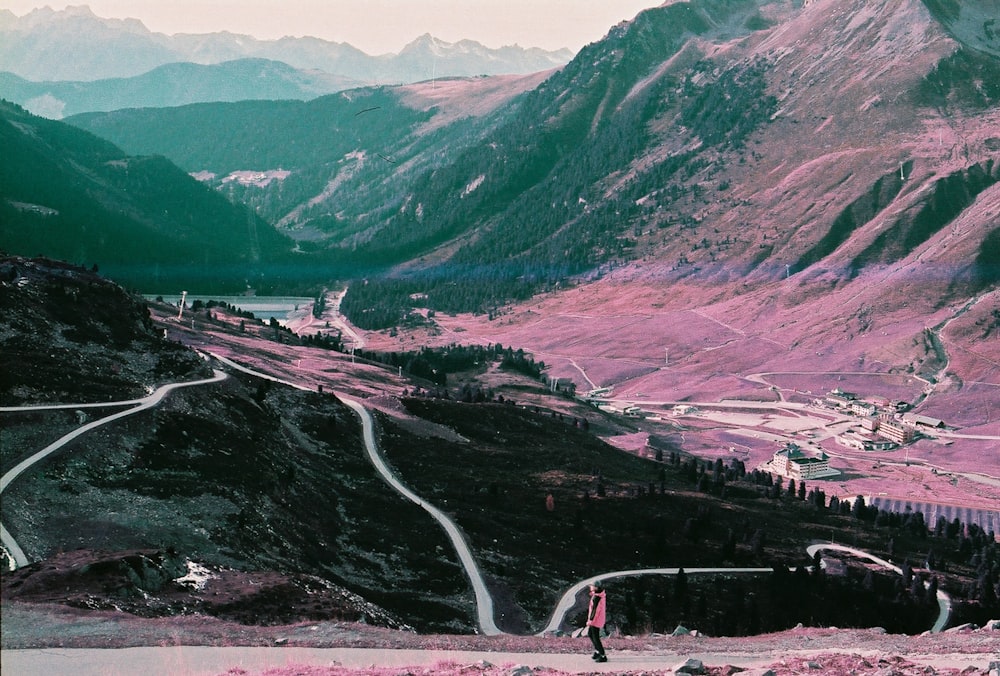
(15, 551)
(568, 599)
(484, 601)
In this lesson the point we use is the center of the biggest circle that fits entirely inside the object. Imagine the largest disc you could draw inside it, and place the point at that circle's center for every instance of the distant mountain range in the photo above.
(59, 52)
(174, 84)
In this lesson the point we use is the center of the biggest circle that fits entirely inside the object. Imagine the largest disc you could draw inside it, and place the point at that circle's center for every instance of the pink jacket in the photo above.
(596, 612)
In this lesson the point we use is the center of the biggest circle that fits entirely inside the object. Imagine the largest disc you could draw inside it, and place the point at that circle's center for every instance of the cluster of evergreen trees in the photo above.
(856, 596)
(745, 605)
(434, 364)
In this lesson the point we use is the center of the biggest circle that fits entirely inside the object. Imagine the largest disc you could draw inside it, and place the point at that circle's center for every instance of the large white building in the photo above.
(895, 431)
(794, 463)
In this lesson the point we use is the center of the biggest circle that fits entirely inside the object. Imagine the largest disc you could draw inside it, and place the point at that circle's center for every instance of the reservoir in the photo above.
(263, 307)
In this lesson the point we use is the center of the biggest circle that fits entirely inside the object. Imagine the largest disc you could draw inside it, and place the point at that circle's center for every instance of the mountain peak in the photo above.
(79, 10)
(426, 42)
(76, 45)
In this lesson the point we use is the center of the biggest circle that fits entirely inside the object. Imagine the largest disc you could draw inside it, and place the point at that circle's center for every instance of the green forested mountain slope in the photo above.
(67, 194)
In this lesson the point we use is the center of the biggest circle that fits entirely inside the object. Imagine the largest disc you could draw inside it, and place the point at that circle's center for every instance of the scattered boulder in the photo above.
(690, 666)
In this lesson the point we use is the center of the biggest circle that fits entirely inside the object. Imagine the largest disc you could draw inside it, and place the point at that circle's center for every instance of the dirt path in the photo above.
(205, 661)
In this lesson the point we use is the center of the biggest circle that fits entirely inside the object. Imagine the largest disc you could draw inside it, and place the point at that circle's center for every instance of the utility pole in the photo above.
(666, 356)
(180, 310)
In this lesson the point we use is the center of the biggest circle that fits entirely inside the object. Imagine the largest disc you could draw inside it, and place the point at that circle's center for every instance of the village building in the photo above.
(565, 385)
(896, 431)
(839, 399)
(851, 441)
(794, 463)
(865, 442)
(863, 408)
(915, 420)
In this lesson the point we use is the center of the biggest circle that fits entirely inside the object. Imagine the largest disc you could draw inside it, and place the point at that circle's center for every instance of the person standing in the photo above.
(596, 615)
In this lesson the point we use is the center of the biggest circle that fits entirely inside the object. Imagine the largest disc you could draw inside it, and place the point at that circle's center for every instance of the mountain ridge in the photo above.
(47, 45)
(172, 84)
(746, 156)
(82, 199)
(688, 101)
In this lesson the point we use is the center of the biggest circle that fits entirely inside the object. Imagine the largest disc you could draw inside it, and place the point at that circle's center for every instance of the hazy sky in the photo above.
(375, 26)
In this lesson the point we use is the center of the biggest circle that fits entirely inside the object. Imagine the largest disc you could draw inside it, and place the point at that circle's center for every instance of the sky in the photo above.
(375, 26)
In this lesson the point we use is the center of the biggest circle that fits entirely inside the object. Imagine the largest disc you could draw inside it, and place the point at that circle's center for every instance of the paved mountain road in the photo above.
(484, 601)
(10, 544)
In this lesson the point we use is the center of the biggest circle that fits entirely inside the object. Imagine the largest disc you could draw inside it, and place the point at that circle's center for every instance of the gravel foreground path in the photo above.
(244, 661)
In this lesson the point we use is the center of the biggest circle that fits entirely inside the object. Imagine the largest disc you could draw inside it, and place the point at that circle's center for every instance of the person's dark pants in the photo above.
(595, 637)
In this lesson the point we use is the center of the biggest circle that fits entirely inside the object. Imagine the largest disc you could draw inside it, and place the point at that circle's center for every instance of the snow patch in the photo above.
(475, 183)
(197, 576)
(257, 178)
(33, 208)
